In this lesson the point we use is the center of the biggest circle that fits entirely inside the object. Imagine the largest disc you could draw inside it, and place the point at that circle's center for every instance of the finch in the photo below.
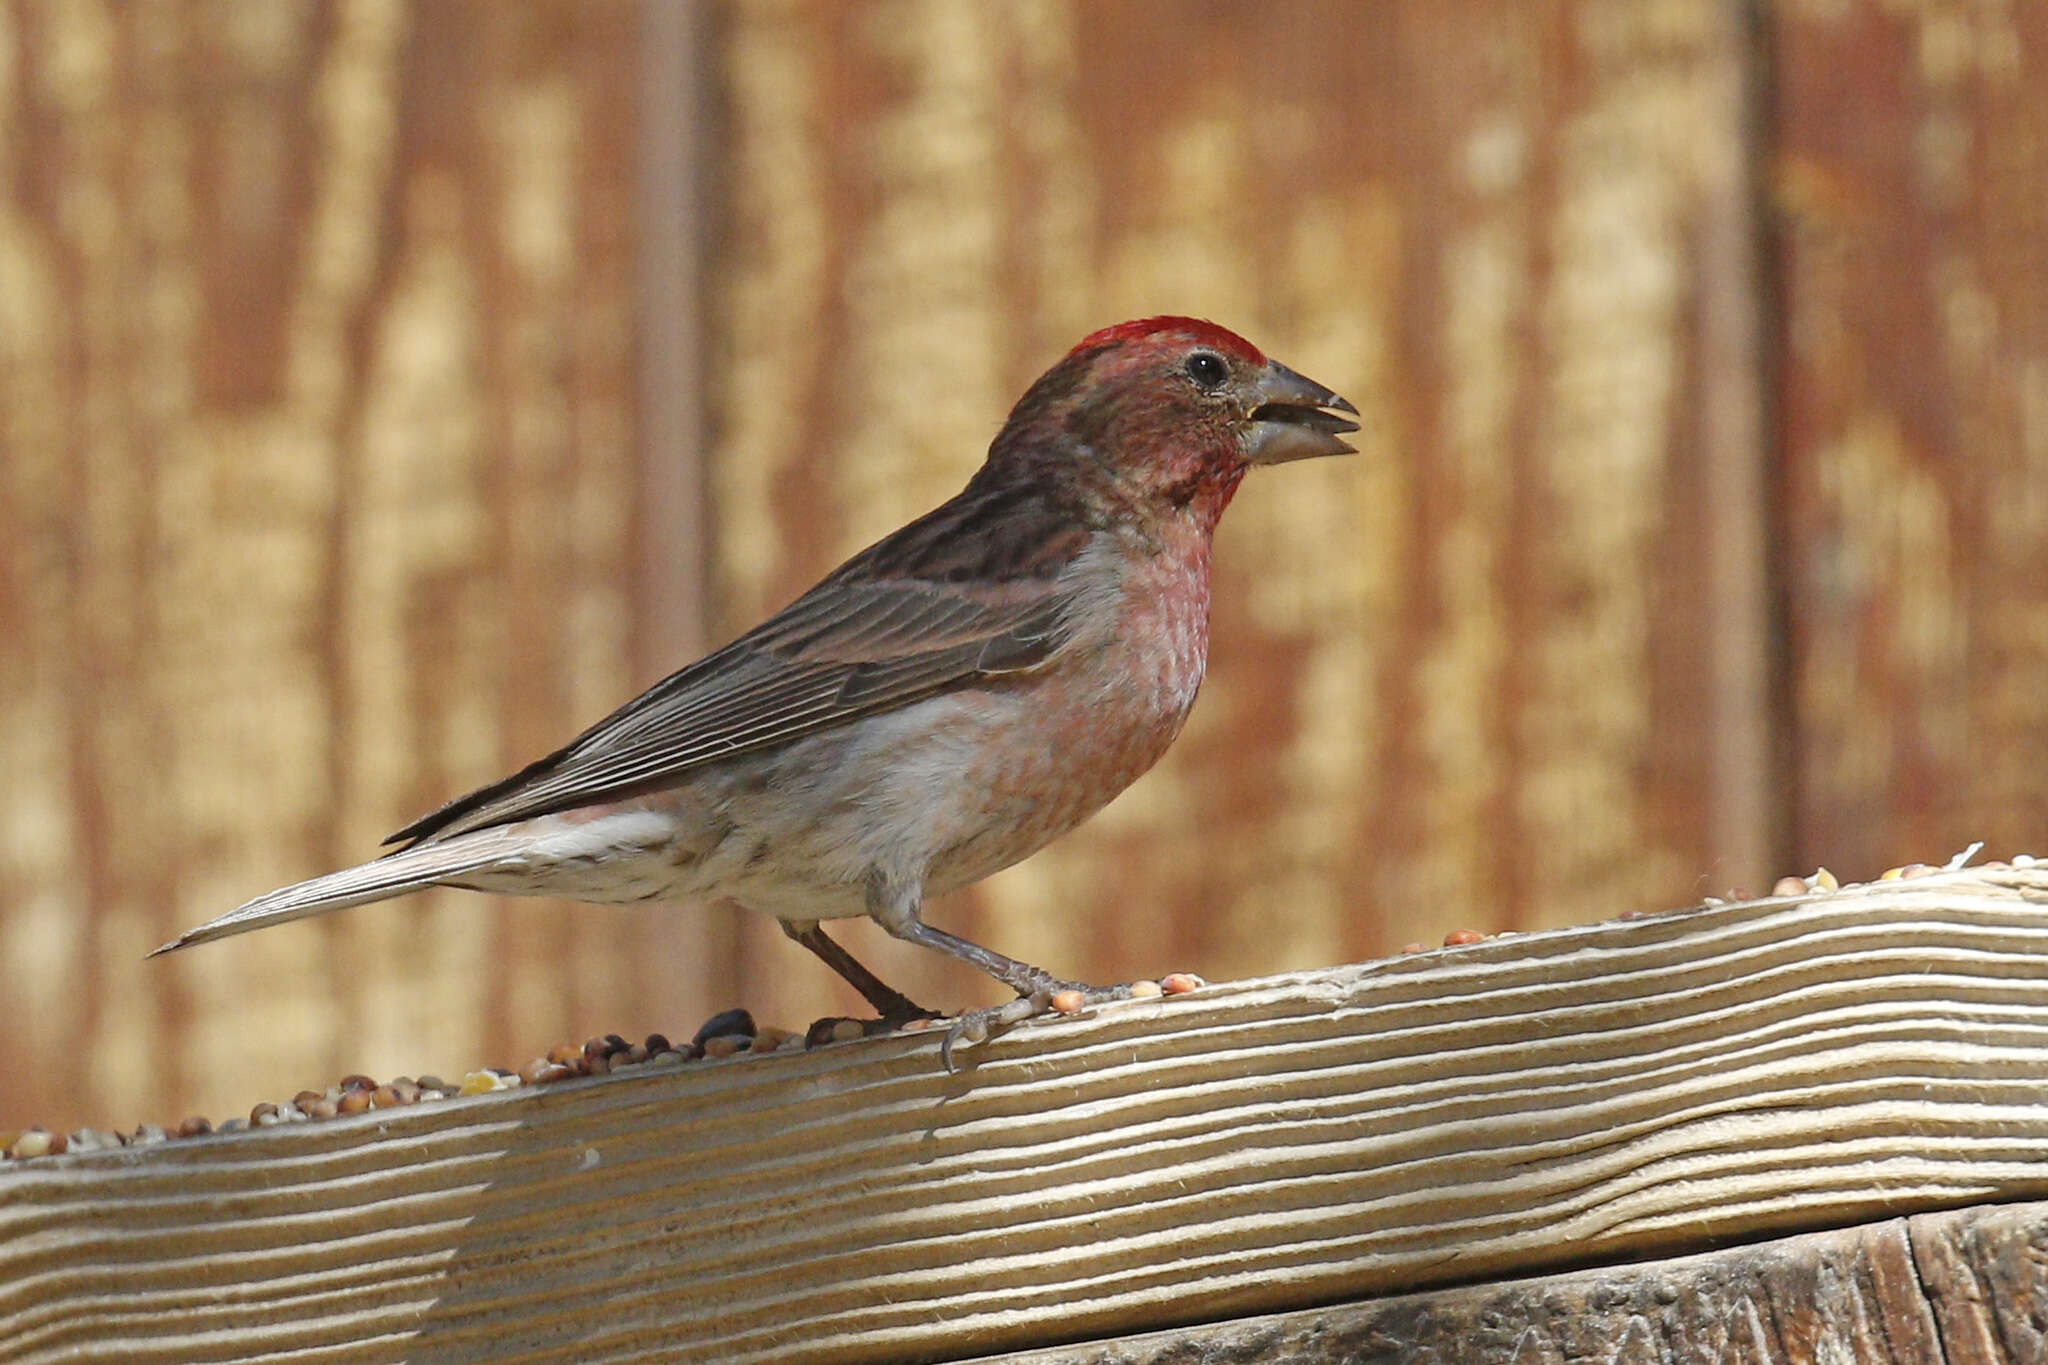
(942, 705)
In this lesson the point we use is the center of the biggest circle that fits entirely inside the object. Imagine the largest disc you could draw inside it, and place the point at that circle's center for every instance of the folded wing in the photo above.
(891, 627)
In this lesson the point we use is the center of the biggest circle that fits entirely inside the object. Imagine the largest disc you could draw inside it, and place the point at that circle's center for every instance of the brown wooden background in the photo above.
(387, 390)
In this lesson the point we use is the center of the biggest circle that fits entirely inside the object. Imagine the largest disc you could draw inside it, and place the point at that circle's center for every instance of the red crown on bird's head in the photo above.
(1197, 330)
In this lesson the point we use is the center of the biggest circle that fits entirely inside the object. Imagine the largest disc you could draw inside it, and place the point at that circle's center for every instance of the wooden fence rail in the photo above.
(1647, 1087)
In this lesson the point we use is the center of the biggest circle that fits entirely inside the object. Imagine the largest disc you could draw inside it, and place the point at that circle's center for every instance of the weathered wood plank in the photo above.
(1954, 1288)
(1532, 1102)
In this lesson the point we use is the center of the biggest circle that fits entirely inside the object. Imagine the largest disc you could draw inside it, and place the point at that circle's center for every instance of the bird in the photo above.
(942, 705)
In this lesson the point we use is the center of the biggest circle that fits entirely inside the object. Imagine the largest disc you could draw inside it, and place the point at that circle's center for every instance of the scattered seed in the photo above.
(33, 1143)
(1180, 983)
(1914, 871)
(1824, 880)
(1789, 886)
(353, 1102)
(726, 1045)
(322, 1108)
(1145, 990)
(1463, 938)
(263, 1115)
(1410, 949)
(357, 1081)
(195, 1126)
(1068, 1002)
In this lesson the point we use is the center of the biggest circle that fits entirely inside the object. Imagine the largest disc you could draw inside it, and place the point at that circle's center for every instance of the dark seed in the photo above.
(724, 1025)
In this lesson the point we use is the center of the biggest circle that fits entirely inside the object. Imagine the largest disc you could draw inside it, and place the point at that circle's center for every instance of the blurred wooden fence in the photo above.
(387, 390)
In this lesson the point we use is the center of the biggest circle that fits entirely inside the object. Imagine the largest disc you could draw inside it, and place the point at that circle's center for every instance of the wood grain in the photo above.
(1911, 194)
(1956, 1288)
(1644, 1087)
(317, 506)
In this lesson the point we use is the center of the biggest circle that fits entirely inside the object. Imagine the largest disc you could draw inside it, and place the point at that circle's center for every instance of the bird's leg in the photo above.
(897, 909)
(893, 1005)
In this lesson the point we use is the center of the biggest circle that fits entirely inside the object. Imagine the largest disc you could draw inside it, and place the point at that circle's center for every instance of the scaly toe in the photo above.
(976, 1025)
(1057, 997)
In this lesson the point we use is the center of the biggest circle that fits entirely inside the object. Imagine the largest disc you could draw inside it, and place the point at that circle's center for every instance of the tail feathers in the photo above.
(414, 869)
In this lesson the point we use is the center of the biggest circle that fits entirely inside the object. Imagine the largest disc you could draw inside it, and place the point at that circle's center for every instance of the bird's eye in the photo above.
(1207, 370)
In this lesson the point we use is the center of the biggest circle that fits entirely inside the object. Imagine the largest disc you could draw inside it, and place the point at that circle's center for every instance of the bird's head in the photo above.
(1169, 413)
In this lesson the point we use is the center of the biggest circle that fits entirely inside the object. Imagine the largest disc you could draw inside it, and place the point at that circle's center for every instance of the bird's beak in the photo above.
(1287, 421)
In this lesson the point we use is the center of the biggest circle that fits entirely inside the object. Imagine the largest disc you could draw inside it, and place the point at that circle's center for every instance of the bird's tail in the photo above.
(395, 874)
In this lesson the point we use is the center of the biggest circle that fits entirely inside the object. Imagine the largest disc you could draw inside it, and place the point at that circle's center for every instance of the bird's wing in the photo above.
(854, 645)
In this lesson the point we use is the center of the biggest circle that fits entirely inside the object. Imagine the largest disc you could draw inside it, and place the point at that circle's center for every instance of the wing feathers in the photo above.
(850, 647)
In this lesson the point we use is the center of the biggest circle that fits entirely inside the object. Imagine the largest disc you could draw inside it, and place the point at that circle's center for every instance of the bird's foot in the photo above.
(1056, 997)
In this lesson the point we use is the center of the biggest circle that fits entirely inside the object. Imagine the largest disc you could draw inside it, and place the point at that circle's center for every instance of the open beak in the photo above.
(1288, 421)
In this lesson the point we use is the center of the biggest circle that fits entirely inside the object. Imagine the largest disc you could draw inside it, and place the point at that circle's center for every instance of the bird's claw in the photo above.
(976, 1025)
(1066, 998)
